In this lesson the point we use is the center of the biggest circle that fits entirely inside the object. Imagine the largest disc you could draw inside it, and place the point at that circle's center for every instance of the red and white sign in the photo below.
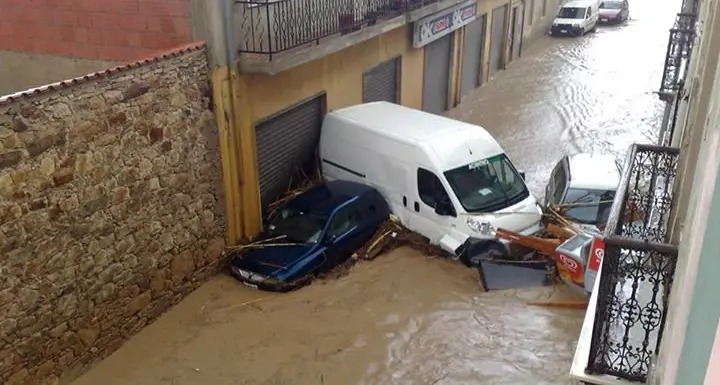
(569, 269)
(597, 253)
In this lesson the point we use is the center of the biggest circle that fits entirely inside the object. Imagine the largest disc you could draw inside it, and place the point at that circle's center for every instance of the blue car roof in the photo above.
(327, 197)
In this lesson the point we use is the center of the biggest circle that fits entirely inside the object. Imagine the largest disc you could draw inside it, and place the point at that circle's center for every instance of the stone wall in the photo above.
(110, 210)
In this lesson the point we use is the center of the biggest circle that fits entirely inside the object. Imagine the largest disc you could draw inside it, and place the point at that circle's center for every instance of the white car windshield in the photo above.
(589, 207)
(611, 5)
(571, 13)
(487, 185)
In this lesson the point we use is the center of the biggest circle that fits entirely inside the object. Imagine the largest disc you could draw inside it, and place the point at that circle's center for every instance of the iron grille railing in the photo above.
(638, 267)
(674, 113)
(272, 26)
(679, 50)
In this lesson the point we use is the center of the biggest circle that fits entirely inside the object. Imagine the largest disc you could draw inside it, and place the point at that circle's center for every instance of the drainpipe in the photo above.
(237, 152)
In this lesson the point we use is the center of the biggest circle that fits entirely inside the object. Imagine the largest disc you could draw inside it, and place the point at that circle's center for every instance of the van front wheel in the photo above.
(486, 252)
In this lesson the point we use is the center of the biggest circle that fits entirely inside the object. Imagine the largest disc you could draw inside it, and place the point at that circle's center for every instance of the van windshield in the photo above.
(487, 185)
(571, 13)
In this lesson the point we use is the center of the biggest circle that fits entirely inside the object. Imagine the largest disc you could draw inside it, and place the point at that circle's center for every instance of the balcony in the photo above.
(677, 58)
(275, 35)
(628, 307)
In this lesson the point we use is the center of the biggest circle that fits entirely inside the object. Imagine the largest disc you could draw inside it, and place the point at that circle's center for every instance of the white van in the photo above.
(576, 18)
(447, 180)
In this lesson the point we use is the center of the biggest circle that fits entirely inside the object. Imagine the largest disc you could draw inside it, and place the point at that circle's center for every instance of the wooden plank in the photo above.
(545, 246)
(560, 231)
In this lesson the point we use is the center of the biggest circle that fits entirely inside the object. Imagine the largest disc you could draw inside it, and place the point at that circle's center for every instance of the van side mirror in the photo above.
(443, 207)
(522, 175)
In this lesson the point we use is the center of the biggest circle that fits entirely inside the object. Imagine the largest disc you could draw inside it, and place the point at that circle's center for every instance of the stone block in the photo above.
(63, 176)
(10, 158)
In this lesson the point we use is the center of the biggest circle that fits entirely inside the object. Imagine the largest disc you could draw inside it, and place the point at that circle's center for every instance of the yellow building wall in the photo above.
(340, 75)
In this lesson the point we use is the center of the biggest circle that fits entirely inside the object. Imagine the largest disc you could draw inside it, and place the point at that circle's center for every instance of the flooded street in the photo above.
(406, 318)
(568, 95)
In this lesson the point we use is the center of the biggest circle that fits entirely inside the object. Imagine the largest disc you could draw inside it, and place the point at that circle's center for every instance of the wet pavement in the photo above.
(568, 95)
(406, 318)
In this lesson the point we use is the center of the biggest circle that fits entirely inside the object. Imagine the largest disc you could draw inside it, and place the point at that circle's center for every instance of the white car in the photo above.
(576, 18)
(589, 181)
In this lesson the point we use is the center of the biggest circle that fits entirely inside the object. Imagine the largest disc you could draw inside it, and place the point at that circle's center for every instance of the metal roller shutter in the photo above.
(517, 31)
(497, 39)
(436, 77)
(472, 66)
(285, 144)
(382, 82)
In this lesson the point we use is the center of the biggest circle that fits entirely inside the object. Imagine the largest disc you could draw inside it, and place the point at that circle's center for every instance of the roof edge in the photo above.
(65, 84)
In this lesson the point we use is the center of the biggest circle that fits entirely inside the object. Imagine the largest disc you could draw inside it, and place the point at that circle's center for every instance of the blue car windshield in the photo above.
(297, 226)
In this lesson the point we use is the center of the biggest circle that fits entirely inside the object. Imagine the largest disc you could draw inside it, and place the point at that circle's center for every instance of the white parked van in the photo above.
(447, 180)
(576, 18)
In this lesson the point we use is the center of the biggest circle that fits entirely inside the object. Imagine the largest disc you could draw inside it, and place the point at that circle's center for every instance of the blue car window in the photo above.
(297, 226)
(343, 221)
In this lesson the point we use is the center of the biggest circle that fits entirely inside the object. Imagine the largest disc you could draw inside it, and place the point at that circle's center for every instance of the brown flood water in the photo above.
(406, 318)
(401, 319)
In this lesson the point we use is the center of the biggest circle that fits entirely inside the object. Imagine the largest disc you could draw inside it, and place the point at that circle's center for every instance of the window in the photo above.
(430, 188)
(343, 221)
(487, 185)
(591, 207)
(297, 226)
(544, 8)
(611, 5)
(571, 13)
(559, 181)
(588, 12)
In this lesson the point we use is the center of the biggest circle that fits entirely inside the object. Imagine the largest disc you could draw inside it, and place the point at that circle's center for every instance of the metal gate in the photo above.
(286, 143)
(382, 82)
(472, 66)
(516, 32)
(497, 39)
(436, 78)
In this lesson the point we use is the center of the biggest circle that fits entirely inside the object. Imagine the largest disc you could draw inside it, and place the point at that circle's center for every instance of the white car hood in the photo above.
(567, 21)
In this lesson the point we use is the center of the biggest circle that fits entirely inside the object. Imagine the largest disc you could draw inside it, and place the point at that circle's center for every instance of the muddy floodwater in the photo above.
(406, 318)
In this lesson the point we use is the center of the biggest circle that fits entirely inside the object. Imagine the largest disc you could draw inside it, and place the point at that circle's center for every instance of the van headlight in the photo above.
(481, 227)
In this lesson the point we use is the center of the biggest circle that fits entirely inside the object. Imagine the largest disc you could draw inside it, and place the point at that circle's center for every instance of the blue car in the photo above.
(313, 233)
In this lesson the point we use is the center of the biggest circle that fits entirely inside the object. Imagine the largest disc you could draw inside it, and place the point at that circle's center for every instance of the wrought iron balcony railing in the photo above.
(638, 267)
(269, 27)
(679, 50)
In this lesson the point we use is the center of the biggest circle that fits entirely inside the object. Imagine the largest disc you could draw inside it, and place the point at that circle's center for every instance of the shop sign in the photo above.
(597, 252)
(437, 25)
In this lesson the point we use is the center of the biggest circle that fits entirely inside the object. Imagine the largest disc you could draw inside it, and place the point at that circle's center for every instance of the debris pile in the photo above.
(391, 235)
(294, 190)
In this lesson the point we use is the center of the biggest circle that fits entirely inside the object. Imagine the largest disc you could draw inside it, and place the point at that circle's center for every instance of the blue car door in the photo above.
(342, 237)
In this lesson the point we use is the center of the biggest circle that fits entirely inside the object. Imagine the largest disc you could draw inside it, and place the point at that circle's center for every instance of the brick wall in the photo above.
(110, 210)
(118, 30)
